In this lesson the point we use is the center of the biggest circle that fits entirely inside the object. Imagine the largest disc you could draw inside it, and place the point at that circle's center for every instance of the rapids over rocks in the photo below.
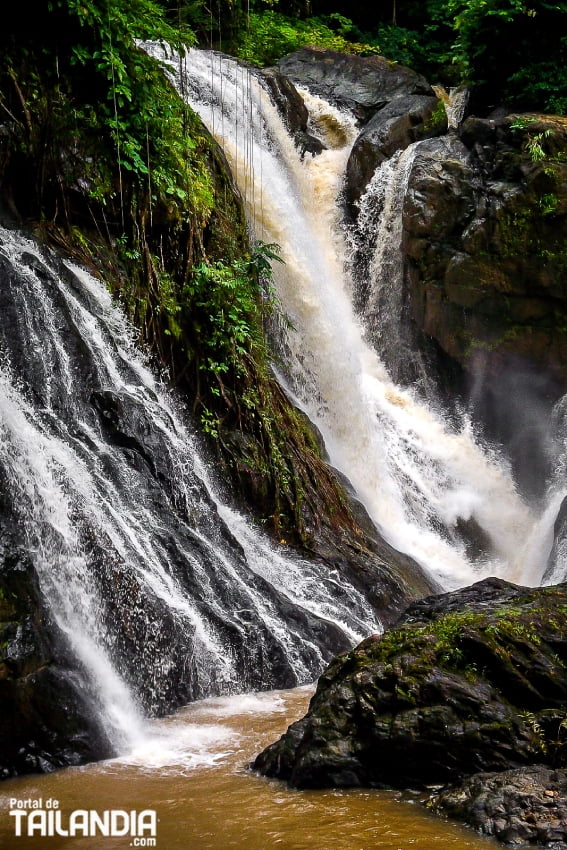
(155, 592)
(422, 472)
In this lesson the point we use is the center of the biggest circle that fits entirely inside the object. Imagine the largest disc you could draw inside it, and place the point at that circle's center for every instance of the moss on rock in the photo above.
(474, 680)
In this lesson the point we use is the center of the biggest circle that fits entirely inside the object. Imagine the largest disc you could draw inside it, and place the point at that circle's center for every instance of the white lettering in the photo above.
(115, 817)
(102, 824)
(14, 813)
(147, 822)
(86, 822)
(37, 822)
(59, 830)
(79, 822)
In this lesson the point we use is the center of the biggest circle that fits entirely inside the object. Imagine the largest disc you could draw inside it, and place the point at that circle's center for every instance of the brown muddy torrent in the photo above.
(192, 771)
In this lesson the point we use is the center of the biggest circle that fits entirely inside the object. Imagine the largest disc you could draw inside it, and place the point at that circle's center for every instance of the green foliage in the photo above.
(224, 301)
(508, 51)
(270, 35)
(548, 203)
(92, 108)
(437, 119)
(534, 145)
(399, 44)
(100, 154)
(136, 107)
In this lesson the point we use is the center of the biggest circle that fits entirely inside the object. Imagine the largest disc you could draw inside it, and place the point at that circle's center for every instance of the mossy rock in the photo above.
(474, 680)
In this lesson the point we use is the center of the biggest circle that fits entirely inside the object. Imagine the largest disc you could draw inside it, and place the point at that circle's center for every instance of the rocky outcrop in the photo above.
(61, 552)
(470, 681)
(558, 555)
(484, 235)
(485, 224)
(406, 119)
(45, 718)
(292, 109)
(361, 84)
(523, 806)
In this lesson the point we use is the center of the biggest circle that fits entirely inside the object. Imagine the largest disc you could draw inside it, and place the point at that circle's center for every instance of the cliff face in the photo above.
(271, 459)
(46, 721)
(484, 232)
(484, 221)
(485, 236)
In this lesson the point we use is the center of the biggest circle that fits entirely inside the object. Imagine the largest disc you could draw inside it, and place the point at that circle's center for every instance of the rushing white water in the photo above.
(376, 245)
(162, 593)
(33, 461)
(421, 478)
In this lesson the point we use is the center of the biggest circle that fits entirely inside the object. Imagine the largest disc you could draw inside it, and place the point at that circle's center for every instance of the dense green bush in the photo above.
(513, 51)
(269, 35)
(508, 51)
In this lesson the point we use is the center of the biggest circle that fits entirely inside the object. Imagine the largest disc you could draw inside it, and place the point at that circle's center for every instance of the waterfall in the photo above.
(376, 247)
(161, 592)
(429, 484)
(455, 102)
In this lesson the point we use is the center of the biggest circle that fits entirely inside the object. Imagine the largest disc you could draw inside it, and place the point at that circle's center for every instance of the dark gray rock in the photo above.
(558, 554)
(361, 84)
(406, 119)
(469, 681)
(524, 806)
(485, 230)
(292, 109)
(46, 720)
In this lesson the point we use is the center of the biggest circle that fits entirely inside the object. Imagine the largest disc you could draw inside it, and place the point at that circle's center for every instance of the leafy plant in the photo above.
(224, 302)
(548, 204)
(270, 35)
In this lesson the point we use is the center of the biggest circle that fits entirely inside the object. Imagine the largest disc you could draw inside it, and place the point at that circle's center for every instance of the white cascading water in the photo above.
(419, 476)
(455, 102)
(375, 243)
(149, 577)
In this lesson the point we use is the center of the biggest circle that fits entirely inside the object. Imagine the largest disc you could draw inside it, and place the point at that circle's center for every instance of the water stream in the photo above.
(192, 772)
(421, 474)
(163, 593)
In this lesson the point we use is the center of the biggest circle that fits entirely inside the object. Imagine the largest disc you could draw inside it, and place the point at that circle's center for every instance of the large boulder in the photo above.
(470, 681)
(485, 237)
(361, 84)
(292, 109)
(406, 119)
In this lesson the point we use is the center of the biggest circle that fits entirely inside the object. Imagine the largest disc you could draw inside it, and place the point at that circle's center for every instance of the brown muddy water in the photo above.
(192, 771)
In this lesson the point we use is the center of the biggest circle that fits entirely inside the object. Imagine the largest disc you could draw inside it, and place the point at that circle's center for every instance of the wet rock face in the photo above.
(466, 682)
(484, 218)
(406, 119)
(524, 806)
(558, 552)
(291, 107)
(485, 233)
(361, 84)
(45, 720)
